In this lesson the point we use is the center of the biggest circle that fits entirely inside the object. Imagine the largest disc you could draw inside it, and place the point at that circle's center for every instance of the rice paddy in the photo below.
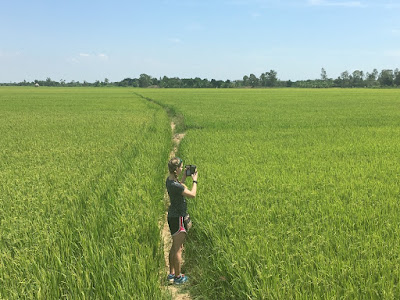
(298, 192)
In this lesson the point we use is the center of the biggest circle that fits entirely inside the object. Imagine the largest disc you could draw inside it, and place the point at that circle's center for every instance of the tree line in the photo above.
(356, 79)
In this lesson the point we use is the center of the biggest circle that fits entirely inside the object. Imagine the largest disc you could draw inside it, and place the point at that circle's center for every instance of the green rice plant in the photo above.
(79, 203)
(298, 192)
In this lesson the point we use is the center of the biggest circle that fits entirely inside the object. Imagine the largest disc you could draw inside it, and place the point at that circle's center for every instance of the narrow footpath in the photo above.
(177, 292)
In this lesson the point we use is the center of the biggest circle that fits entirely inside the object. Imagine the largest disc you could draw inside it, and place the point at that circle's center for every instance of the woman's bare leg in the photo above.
(175, 254)
(171, 262)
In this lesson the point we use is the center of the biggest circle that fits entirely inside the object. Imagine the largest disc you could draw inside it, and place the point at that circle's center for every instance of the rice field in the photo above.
(298, 193)
(79, 207)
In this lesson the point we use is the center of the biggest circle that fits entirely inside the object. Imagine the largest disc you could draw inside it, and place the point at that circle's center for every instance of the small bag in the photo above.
(188, 222)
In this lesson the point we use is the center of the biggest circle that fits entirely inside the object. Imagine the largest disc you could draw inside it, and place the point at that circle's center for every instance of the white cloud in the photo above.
(86, 57)
(335, 3)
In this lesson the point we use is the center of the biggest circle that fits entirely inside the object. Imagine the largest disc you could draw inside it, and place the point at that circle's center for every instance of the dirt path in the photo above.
(177, 292)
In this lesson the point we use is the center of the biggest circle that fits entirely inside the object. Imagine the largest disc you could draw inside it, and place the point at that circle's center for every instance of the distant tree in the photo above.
(371, 78)
(125, 82)
(175, 82)
(213, 83)
(187, 83)
(206, 83)
(155, 81)
(23, 83)
(253, 80)
(374, 74)
(246, 80)
(357, 78)
(345, 79)
(197, 82)
(105, 82)
(228, 84)
(323, 74)
(345, 75)
(386, 78)
(263, 79)
(216, 83)
(396, 80)
(164, 82)
(272, 78)
(144, 80)
(50, 82)
(238, 83)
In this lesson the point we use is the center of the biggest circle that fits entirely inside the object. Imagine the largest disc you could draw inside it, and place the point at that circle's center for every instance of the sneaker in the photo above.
(181, 279)
(171, 278)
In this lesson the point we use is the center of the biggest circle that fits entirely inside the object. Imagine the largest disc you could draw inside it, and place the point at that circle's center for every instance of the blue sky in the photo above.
(93, 40)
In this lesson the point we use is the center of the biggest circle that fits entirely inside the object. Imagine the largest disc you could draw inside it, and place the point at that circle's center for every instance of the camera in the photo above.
(190, 169)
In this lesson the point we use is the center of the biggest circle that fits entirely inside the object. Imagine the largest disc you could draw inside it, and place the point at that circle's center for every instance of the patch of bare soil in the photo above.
(176, 292)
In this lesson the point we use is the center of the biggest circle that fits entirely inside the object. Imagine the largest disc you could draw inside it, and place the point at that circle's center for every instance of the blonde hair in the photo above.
(174, 164)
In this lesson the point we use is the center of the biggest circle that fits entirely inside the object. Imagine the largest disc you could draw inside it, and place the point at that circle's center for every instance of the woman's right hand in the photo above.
(191, 193)
(194, 176)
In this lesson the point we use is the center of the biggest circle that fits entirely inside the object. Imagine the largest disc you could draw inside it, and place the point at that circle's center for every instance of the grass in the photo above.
(79, 203)
(298, 192)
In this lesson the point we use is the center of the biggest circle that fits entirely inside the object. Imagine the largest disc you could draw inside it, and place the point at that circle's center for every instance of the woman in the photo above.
(178, 218)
